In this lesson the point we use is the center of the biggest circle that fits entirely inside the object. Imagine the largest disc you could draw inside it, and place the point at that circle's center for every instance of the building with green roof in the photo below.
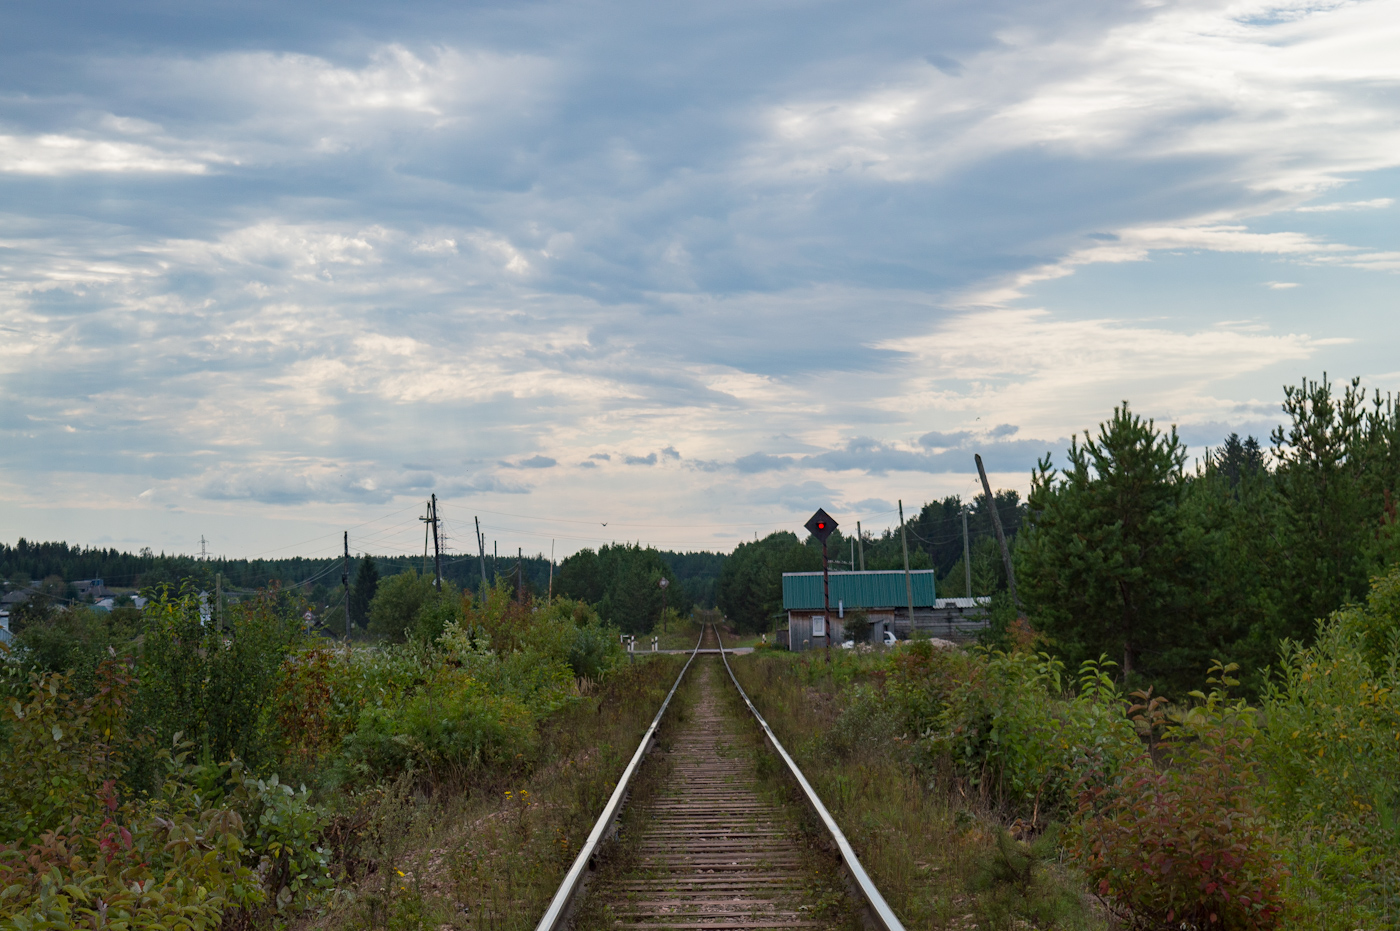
(882, 598)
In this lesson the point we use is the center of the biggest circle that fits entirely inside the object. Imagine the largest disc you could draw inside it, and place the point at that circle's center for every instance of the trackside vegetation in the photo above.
(998, 787)
(250, 775)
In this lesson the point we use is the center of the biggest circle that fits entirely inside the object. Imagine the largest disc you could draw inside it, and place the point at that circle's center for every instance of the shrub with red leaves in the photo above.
(1186, 845)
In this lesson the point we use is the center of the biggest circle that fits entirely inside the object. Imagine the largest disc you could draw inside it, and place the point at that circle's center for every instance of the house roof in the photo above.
(965, 604)
(882, 589)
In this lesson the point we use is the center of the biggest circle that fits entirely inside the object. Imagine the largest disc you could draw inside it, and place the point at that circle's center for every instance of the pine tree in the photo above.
(1104, 558)
(1338, 466)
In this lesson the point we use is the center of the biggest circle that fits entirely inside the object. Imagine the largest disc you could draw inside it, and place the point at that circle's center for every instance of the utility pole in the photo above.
(967, 554)
(520, 575)
(1001, 536)
(549, 596)
(860, 542)
(345, 583)
(219, 600)
(437, 547)
(908, 580)
(481, 548)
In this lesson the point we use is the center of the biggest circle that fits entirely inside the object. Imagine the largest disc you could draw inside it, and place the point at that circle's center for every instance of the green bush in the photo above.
(408, 606)
(323, 690)
(456, 725)
(215, 686)
(1332, 754)
(283, 843)
(1005, 723)
(60, 752)
(478, 698)
(81, 849)
(75, 640)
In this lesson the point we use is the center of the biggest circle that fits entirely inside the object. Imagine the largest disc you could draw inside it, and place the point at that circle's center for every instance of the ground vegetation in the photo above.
(202, 766)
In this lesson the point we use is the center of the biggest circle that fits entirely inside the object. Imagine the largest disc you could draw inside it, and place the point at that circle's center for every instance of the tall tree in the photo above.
(1329, 503)
(750, 586)
(362, 593)
(1105, 560)
(1231, 506)
(1236, 459)
(622, 582)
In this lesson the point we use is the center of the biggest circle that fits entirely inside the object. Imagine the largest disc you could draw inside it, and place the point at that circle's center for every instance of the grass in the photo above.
(488, 855)
(942, 861)
(681, 635)
(733, 638)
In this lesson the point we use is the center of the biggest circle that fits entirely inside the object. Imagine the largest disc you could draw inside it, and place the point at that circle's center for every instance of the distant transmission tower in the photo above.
(203, 547)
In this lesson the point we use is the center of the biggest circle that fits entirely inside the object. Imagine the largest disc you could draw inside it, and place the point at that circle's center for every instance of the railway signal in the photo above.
(820, 525)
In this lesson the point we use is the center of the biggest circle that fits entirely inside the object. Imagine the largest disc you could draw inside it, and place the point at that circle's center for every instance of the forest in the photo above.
(1128, 553)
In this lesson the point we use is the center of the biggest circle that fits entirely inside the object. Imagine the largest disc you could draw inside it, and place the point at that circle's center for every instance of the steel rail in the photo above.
(880, 909)
(559, 906)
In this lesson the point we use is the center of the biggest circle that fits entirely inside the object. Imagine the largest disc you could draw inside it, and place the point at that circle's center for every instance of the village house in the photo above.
(884, 599)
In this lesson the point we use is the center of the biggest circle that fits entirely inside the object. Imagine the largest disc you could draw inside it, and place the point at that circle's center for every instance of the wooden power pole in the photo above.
(967, 554)
(437, 547)
(481, 548)
(345, 582)
(1001, 535)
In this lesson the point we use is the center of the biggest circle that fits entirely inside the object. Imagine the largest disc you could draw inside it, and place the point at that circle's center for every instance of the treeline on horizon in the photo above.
(27, 562)
(619, 580)
(604, 577)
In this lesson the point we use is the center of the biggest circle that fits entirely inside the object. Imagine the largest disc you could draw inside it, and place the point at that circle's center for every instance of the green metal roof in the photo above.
(802, 591)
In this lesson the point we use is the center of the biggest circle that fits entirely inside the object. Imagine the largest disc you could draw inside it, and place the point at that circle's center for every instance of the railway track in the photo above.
(710, 849)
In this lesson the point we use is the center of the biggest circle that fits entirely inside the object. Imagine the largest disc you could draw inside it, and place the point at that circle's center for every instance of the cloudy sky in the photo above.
(273, 270)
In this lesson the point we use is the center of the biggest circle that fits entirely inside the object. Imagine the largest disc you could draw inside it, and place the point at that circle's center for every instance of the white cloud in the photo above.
(279, 106)
(57, 154)
(1294, 102)
(472, 244)
(1376, 203)
(1045, 373)
(1137, 245)
(1280, 285)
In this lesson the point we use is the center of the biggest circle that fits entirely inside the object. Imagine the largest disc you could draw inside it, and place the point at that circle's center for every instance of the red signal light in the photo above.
(821, 525)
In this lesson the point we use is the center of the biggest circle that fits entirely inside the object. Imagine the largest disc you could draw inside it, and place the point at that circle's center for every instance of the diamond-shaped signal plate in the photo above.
(820, 525)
